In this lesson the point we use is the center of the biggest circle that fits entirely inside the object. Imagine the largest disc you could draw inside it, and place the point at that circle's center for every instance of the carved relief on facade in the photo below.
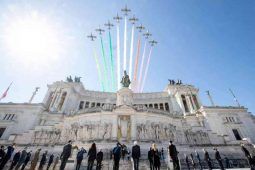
(155, 131)
(196, 137)
(86, 131)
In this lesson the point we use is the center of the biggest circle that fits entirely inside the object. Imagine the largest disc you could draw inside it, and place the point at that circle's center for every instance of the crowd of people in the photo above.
(19, 159)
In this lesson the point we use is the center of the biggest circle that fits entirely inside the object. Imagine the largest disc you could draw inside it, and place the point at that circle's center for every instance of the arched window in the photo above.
(86, 105)
(49, 99)
(167, 106)
(81, 105)
(161, 106)
(155, 106)
(185, 103)
(150, 106)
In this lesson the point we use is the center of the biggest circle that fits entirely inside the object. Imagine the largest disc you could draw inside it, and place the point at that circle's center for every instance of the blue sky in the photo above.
(207, 43)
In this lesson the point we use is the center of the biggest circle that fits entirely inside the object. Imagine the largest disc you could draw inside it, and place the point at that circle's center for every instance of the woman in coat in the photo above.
(92, 154)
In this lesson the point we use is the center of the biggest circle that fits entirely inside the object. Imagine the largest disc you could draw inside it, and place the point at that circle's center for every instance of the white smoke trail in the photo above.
(125, 46)
(131, 52)
(118, 56)
(146, 69)
(141, 67)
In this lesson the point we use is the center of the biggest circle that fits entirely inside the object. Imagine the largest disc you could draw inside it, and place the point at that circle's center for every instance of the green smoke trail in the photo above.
(99, 71)
(112, 71)
(105, 65)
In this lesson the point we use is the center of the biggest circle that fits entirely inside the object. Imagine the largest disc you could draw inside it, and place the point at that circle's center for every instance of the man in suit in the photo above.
(174, 155)
(136, 153)
(65, 154)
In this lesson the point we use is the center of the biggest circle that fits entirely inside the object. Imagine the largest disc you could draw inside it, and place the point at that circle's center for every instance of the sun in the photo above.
(32, 39)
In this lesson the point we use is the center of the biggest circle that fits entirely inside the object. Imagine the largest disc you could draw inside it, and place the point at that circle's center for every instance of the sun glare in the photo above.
(31, 39)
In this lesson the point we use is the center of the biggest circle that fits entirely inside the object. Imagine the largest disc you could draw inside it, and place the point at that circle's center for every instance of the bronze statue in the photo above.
(125, 81)
(77, 79)
(69, 79)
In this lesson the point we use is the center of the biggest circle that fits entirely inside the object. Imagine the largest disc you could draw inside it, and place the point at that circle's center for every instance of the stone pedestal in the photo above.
(124, 97)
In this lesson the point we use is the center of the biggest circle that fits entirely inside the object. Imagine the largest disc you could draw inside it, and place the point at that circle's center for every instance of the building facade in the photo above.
(69, 111)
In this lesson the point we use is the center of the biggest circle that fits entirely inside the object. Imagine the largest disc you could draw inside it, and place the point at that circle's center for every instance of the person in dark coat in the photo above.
(187, 161)
(174, 156)
(199, 160)
(116, 156)
(193, 161)
(100, 156)
(136, 153)
(22, 158)
(2, 153)
(156, 157)
(207, 159)
(218, 158)
(7, 156)
(26, 160)
(92, 154)
(43, 160)
(247, 155)
(65, 154)
(162, 153)
(15, 160)
(123, 151)
(79, 158)
(50, 161)
(150, 158)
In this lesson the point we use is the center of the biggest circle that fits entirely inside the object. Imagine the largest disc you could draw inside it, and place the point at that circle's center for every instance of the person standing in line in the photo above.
(35, 159)
(65, 154)
(207, 159)
(15, 160)
(22, 158)
(187, 161)
(50, 161)
(92, 154)
(136, 153)
(247, 155)
(26, 160)
(2, 153)
(79, 158)
(193, 161)
(218, 158)
(7, 156)
(156, 157)
(55, 162)
(150, 158)
(199, 160)
(174, 156)
(123, 151)
(100, 156)
(162, 153)
(116, 156)
(43, 160)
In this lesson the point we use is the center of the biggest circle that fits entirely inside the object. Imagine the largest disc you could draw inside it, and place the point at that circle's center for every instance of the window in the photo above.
(191, 102)
(93, 104)
(185, 103)
(98, 104)
(9, 117)
(2, 131)
(87, 105)
(167, 106)
(161, 106)
(195, 101)
(156, 106)
(81, 105)
(146, 105)
(237, 135)
(62, 100)
(12, 116)
(150, 106)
